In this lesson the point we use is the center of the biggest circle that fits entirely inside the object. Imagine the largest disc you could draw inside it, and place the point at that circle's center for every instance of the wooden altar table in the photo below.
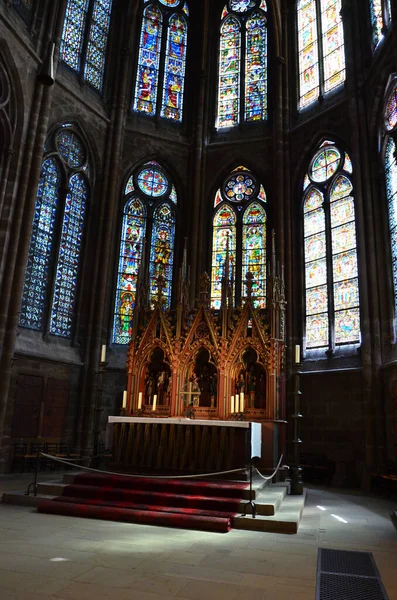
(180, 444)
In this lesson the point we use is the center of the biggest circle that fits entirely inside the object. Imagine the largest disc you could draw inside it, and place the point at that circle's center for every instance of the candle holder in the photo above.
(296, 469)
(123, 412)
(98, 408)
(238, 416)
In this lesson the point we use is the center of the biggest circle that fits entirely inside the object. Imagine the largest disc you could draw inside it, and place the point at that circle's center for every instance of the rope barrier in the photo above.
(274, 472)
(65, 462)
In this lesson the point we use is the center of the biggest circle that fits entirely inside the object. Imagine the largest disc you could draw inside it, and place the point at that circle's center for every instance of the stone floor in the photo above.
(44, 556)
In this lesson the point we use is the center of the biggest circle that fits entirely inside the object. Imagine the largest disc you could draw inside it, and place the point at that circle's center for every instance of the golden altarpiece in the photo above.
(201, 363)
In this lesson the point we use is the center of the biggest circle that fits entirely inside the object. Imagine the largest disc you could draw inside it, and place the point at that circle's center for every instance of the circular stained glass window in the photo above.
(239, 187)
(71, 149)
(241, 5)
(170, 3)
(391, 110)
(152, 182)
(325, 163)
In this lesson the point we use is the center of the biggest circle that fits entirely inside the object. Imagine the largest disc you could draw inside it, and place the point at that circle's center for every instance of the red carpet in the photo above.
(185, 503)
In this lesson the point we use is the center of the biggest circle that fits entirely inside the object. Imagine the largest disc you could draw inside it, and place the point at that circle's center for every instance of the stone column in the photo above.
(20, 239)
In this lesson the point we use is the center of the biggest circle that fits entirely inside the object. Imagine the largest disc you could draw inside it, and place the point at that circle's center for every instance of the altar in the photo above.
(180, 444)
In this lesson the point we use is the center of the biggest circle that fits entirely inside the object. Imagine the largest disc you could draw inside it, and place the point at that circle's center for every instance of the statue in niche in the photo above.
(207, 378)
(240, 383)
(251, 386)
(158, 378)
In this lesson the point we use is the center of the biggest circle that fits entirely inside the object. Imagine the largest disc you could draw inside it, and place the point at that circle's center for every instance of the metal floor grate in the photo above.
(347, 575)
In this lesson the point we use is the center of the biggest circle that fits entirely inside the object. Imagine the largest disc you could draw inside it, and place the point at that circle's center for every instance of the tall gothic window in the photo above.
(160, 80)
(380, 12)
(148, 235)
(331, 273)
(51, 277)
(85, 38)
(390, 166)
(239, 231)
(320, 47)
(242, 87)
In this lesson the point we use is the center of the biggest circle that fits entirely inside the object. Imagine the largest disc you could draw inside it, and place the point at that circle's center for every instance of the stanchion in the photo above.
(250, 501)
(34, 484)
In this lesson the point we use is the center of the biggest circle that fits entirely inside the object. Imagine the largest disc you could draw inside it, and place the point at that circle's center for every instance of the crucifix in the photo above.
(191, 393)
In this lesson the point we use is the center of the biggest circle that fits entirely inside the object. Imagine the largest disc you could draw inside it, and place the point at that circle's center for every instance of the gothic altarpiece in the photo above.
(192, 361)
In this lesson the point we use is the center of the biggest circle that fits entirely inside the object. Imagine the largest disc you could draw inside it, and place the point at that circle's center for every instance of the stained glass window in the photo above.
(239, 225)
(47, 254)
(175, 62)
(90, 20)
(321, 66)
(97, 43)
(391, 110)
(380, 18)
(391, 191)
(242, 86)
(132, 237)
(331, 274)
(254, 252)
(63, 301)
(41, 247)
(161, 254)
(164, 32)
(224, 239)
(149, 214)
(73, 33)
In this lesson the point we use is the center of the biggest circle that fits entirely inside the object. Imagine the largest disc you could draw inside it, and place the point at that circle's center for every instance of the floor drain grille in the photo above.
(347, 575)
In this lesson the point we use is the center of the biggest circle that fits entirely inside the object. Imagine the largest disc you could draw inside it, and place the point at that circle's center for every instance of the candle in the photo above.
(103, 353)
(236, 403)
(125, 399)
(154, 402)
(139, 400)
(232, 404)
(297, 354)
(242, 402)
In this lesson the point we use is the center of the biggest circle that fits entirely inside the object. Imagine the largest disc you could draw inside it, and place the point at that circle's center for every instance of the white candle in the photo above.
(232, 404)
(103, 353)
(242, 402)
(236, 403)
(125, 399)
(297, 354)
(154, 402)
(139, 400)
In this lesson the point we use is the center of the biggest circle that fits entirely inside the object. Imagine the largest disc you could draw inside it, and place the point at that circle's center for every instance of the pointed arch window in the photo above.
(321, 48)
(239, 232)
(242, 86)
(380, 14)
(85, 38)
(390, 168)
(160, 80)
(146, 243)
(331, 273)
(52, 271)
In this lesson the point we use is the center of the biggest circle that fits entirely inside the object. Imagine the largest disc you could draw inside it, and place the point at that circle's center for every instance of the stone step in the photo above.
(286, 520)
(267, 500)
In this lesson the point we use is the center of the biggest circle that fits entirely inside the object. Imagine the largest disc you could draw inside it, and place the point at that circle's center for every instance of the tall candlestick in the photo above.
(124, 399)
(232, 404)
(236, 398)
(154, 402)
(242, 402)
(103, 353)
(297, 354)
(139, 400)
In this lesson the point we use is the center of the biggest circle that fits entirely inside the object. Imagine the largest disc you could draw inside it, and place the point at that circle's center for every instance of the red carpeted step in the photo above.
(181, 520)
(186, 486)
(146, 507)
(158, 498)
